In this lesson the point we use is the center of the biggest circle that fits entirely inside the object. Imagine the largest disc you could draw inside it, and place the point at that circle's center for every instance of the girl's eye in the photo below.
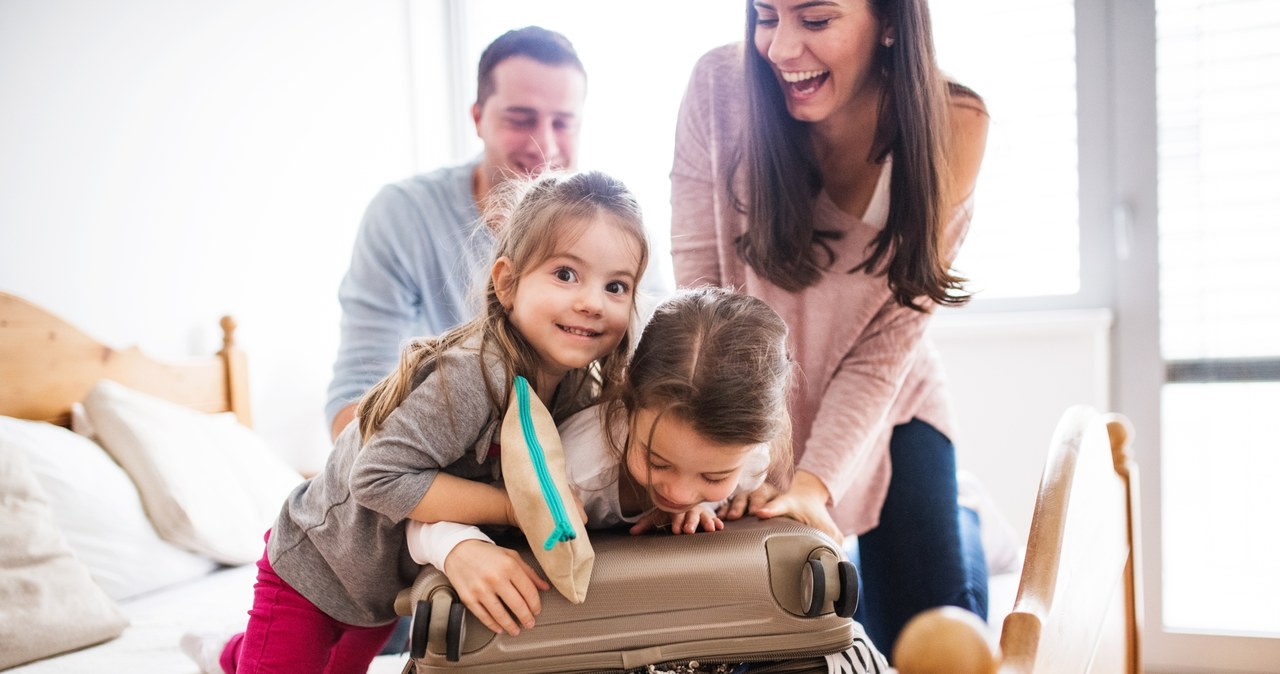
(816, 24)
(616, 288)
(566, 275)
(764, 22)
(715, 480)
(655, 466)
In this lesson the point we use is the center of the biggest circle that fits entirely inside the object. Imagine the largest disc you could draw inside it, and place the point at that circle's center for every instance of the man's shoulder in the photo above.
(434, 201)
(447, 182)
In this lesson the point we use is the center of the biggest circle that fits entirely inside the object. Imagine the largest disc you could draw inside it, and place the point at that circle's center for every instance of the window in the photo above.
(1027, 197)
(1218, 97)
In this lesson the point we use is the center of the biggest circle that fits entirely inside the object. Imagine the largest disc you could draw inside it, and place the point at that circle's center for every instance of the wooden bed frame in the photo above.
(46, 364)
(1078, 603)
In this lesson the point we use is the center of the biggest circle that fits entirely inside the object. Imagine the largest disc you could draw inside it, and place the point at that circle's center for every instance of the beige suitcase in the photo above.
(759, 591)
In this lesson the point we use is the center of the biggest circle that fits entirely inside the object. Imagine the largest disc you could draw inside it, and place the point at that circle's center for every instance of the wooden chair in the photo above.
(1079, 591)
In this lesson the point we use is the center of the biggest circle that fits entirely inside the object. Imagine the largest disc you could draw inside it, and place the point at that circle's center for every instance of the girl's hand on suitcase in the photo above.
(496, 585)
(805, 502)
(688, 521)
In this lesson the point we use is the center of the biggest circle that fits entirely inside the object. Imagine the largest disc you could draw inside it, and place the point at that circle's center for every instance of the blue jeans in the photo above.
(926, 551)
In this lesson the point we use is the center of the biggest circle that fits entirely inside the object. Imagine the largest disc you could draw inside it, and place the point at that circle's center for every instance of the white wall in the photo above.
(1012, 376)
(166, 162)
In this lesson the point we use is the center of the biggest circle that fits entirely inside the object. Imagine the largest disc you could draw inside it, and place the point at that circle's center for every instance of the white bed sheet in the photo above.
(215, 602)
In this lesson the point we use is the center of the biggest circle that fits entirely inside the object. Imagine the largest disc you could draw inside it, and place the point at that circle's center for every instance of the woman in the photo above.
(827, 167)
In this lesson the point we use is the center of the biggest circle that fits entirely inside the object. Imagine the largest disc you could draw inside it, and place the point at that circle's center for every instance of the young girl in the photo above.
(702, 414)
(558, 308)
(702, 417)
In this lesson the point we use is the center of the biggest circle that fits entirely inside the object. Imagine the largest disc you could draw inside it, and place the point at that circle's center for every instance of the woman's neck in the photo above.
(843, 144)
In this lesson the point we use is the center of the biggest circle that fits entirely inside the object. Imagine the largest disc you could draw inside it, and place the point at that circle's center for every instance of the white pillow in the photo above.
(48, 602)
(209, 484)
(98, 510)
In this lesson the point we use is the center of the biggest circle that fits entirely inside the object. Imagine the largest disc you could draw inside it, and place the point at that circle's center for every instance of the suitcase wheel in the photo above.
(454, 632)
(847, 602)
(813, 587)
(418, 629)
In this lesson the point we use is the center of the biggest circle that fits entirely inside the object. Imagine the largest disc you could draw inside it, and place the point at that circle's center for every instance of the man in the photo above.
(419, 249)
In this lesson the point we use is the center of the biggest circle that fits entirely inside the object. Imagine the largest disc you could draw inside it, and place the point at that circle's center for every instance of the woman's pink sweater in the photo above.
(863, 365)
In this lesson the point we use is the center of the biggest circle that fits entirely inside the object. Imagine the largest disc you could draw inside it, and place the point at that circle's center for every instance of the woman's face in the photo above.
(681, 468)
(821, 53)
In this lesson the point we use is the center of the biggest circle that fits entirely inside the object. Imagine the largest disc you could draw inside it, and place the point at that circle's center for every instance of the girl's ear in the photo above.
(503, 277)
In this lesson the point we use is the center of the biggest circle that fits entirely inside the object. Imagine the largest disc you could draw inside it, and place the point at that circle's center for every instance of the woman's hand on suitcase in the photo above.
(496, 585)
(805, 502)
(740, 503)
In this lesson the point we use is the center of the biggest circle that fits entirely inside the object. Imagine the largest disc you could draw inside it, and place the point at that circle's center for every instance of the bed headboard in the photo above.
(46, 364)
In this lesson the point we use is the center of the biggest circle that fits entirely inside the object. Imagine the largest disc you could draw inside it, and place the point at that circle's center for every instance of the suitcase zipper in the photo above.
(804, 660)
(806, 664)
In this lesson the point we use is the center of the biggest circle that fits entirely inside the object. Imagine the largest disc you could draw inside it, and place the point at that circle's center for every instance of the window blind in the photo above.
(1218, 84)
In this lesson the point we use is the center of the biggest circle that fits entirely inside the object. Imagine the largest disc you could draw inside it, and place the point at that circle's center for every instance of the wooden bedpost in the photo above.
(237, 367)
(1059, 619)
(1121, 434)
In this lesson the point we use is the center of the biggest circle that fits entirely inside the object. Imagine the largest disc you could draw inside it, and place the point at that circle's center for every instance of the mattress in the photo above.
(212, 603)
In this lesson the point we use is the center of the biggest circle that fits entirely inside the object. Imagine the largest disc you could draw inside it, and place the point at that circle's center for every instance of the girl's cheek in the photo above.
(721, 491)
(638, 472)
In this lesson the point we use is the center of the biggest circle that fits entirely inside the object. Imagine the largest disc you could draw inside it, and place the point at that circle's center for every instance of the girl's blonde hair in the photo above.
(718, 361)
(535, 218)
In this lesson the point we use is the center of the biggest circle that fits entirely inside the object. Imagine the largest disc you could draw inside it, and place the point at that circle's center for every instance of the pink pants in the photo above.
(287, 634)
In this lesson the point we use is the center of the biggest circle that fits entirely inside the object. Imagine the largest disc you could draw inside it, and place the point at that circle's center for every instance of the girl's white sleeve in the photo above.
(432, 543)
(592, 467)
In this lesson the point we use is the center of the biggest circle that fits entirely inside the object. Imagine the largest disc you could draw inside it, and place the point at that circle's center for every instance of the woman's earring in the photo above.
(887, 41)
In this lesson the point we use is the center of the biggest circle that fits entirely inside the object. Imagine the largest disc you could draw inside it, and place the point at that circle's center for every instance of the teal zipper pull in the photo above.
(564, 530)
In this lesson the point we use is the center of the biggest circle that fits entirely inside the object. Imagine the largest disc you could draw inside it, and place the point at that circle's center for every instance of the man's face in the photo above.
(530, 122)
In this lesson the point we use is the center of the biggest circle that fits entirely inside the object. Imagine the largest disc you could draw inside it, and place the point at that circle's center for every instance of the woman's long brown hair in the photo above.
(783, 178)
